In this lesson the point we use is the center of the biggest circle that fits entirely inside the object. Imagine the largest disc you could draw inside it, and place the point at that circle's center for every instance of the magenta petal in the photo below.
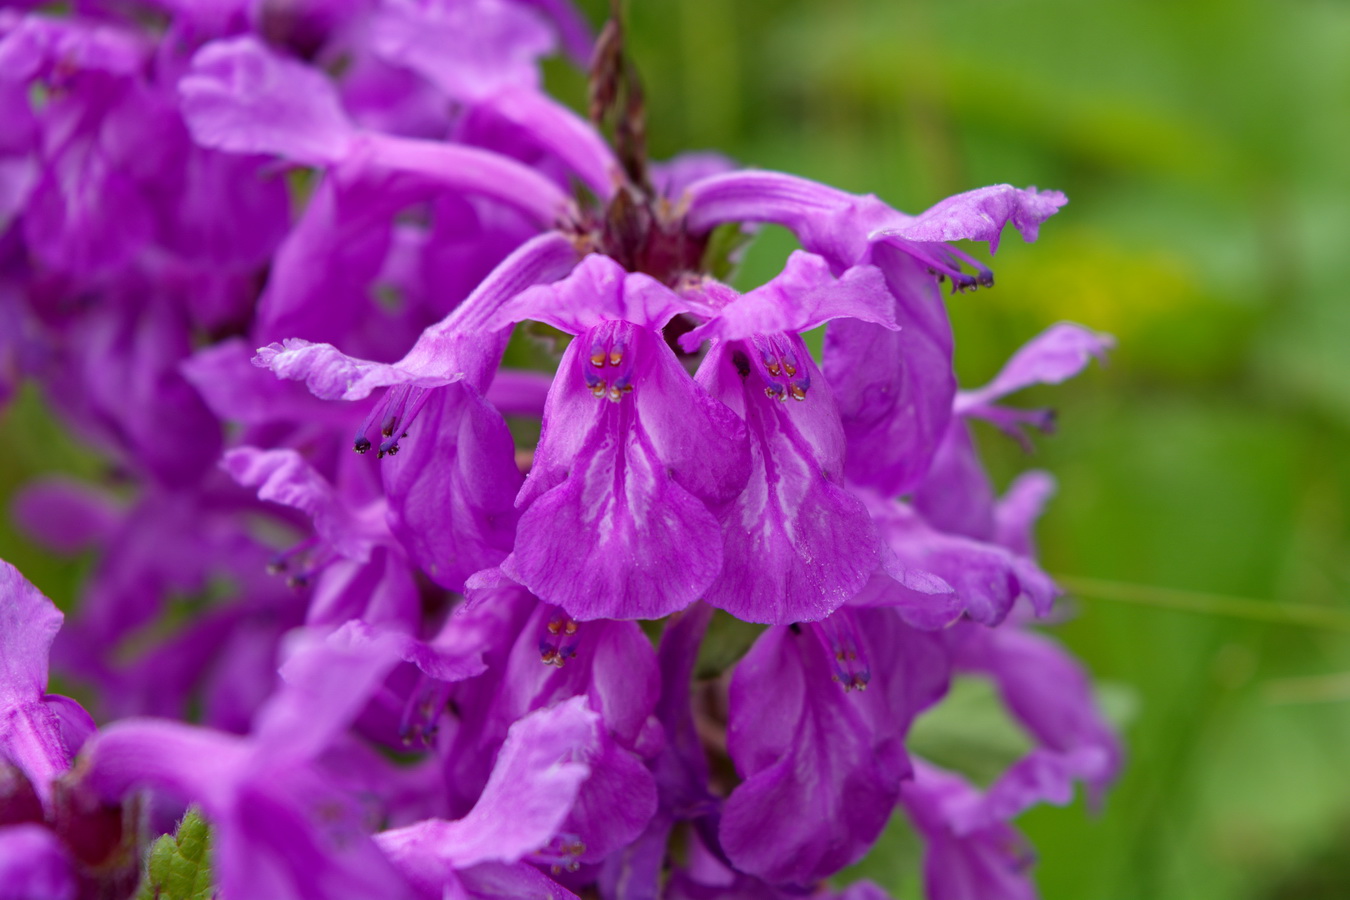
(980, 215)
(469, 50)
(988, 863)
(452, 486)
(617, 523)
(1017, 511)
(797, 545)
(987, 578)
(67, 515)
(333, 375)
(610, 662)
(1051, 695)
(1057, 354)
(803, 296)
(615, 804)
(191, 762)
(923, 601)
(822, 765)
(237, 391)
(673, 176)
(562, 133)
(502, 881)
(459, 346)
(312, 708)
(598, 290)
(243, 98)
(1042, 776)
(30, 732)
(539, 772)
(956, 495)
(35, 865)
(757, 196)
(285, 477)
(29, 622)
(894, 388)
(620, 538)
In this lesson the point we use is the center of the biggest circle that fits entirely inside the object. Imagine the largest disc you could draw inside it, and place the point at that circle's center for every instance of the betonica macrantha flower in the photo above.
(894, 388)
(644, 232)
(56, 839)
(40, 733)
(634, 454)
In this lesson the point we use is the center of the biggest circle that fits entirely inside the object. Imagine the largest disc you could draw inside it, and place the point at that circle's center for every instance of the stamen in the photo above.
(559, 643)
(838, 634)
(945, 261)
(418, 725)
(395, 412)
(301, 563)
(562, 854)
(608, 370)
(777, 358)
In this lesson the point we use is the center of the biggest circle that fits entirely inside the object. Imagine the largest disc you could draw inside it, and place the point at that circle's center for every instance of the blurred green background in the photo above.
(1203, 146)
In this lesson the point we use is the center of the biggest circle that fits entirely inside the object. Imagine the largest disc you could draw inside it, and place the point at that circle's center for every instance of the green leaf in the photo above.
(179, 867)
(726, 246)
(727, 640)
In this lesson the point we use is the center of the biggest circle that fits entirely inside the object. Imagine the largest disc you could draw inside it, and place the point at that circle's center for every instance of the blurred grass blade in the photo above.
(1203, 603)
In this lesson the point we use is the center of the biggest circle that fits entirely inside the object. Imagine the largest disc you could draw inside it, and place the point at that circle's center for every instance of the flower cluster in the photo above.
(241, 239)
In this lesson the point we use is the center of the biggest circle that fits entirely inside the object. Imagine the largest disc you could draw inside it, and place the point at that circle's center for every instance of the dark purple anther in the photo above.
(945, 261)
(395, 412)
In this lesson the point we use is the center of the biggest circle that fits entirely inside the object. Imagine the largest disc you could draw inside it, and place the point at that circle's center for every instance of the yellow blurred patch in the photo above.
(1092, 279)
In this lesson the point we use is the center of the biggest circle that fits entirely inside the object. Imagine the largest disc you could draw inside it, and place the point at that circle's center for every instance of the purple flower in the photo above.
(35, 865)
(988, 861)
(894, 388)
(39, 732)
(616, 517)
(281, 828)
(796, 543)
(536, 781)
(538, 657)
(376, 194)
(823, 764)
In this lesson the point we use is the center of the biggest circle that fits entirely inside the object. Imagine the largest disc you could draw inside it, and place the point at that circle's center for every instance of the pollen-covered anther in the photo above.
(608, 368)
(558, 644)
(421, 712)
(840, 639)
(777, 361)
(562, 854)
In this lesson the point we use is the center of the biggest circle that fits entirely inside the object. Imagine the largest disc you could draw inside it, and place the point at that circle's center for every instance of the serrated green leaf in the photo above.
(179, 867)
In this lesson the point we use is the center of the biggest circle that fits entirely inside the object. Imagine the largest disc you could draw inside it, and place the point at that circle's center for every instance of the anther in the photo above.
(418, 724)
(777, 358)
(562, 854)
(838, 634)
(399, 406)
(944, 261)
(608, 370)
(558, 644)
